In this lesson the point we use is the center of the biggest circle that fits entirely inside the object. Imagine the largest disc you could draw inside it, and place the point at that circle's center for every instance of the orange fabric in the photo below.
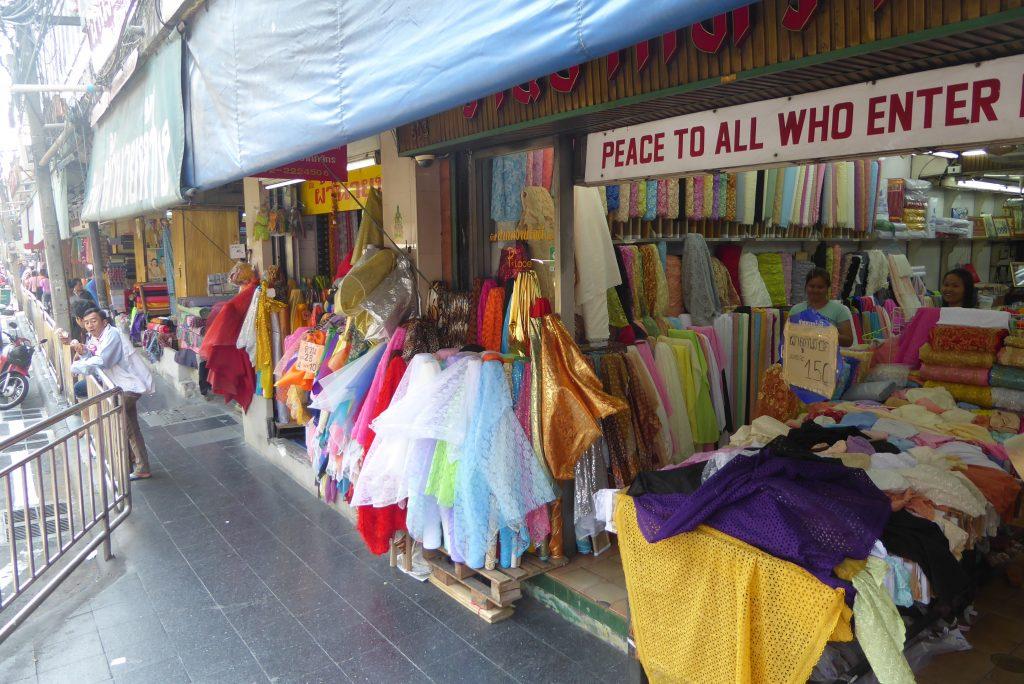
(1000, 488)
(494, 319)
(299, 378)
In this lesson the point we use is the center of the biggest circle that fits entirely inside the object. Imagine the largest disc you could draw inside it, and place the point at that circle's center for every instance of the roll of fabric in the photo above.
(723, 285)
(961, 375)
(768, 200)
(611, 193)
(673, 198)
(971, 394)
(548, 161)
(1011, 356)
(935, 357)
(784, 215)
(663, 197)
(691, 198)
(634, 200)
(699, 293)
(651, 200)
(752, 286)
(730, 255)
(622, 216)
(1008, 377)
(797, 290)
(965, 339)
(674, 281)
(741, 192)
(707, 208)
(1014, 341)
(1008, 399)
(787, 273)
(641, 199)
(769, 265)
(731, 199)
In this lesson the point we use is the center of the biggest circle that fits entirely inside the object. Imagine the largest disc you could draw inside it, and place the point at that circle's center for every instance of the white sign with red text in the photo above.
(962, 105)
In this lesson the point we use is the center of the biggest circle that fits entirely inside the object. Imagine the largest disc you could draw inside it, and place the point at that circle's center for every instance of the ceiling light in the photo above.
(944, 154)
(361, 164)
(974, 153)
(282, 184)
(987, 185)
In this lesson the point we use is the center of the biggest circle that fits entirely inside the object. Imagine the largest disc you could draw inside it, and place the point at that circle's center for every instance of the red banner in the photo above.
(331, 165)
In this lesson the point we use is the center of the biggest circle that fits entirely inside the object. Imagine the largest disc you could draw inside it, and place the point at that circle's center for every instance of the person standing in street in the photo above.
(44, 288)
(111, 350)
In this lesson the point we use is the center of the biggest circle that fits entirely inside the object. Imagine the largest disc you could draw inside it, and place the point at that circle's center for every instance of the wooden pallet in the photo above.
(488, 593)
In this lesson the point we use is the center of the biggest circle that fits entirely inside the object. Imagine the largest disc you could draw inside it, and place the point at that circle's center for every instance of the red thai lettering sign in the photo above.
(331, 165)
(967, 104)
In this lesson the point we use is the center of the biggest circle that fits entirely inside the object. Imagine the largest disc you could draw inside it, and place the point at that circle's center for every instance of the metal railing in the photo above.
(60, 501)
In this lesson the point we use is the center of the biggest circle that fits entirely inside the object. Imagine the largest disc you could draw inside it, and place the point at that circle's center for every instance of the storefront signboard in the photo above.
(331, 165)
(103, 21)
(960, 105)
(135, 165)
(318, 197)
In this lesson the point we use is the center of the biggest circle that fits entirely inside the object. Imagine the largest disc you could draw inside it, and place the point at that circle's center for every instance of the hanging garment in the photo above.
(773, 612)
(679, 424)
(499, 480)
(596, 268)
(571, 398)
(370, 226)
(229, 370)
(699, 293)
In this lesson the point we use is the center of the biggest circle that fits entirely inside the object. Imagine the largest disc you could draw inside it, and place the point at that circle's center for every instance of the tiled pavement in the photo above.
(229, 571)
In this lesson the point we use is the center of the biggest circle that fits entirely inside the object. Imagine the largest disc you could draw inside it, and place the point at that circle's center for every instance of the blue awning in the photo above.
(271, 82)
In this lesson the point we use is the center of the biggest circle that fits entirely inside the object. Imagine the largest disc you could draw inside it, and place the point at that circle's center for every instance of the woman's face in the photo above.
(952, 290)
(817, 292)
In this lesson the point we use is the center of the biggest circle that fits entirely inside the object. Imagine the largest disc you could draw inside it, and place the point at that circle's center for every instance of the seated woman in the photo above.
(817, 290)
(958, 289)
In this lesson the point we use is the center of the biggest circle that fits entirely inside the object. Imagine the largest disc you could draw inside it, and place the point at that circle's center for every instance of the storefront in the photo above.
(708, 204)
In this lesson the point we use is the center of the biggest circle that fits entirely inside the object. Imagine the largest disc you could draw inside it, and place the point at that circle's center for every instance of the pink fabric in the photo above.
(291, 346)
(964, 376)
(659, 382)
(529, 168)
(537, 164)
(361, 429)
(716, 346)
(915, 335)
(929, 439)
(548, 163)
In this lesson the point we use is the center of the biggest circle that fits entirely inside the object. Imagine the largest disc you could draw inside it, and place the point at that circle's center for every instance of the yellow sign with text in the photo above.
(809, 357)
(318, 196)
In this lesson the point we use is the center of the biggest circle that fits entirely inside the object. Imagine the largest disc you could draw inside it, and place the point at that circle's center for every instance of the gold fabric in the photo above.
(619, 428)
(706, 607)
(525, 289)
(369, 227)
(363, 279)
(571, 399)
(264, 365)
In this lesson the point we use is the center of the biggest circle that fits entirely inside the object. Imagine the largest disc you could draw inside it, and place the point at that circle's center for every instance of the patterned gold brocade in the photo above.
(571, 399)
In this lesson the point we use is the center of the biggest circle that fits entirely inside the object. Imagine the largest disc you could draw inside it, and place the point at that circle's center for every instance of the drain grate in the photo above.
(1008, 662)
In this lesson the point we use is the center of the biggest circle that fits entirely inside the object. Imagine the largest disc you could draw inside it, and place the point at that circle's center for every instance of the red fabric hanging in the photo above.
(378, 525)
(229, 370)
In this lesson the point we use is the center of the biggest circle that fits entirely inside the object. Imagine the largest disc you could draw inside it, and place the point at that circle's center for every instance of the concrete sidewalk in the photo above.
(228, 570)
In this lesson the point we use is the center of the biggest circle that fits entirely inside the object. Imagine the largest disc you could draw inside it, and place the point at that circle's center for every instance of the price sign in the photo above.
(809, 357)
(308, 360)
(236, 251)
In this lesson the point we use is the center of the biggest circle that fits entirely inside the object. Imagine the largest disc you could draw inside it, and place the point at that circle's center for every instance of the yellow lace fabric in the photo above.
(706, 607)
(264, 365)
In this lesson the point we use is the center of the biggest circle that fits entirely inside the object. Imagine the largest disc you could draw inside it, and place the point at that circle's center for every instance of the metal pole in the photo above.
(98, 267)
(44, 186)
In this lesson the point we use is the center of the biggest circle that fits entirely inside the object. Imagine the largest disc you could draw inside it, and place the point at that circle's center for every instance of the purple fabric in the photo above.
(324, 371)
(859, 445)
(810, 511)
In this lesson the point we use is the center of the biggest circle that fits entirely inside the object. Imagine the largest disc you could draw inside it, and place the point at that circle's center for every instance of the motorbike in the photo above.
(15, 361)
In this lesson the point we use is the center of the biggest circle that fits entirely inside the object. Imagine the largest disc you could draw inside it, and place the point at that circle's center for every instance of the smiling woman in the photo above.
(817, 289)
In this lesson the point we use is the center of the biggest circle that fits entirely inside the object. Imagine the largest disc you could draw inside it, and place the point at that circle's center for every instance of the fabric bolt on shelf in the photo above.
(1014, 341)
(787, 276)
(729, 255)
(974, 318)
(773, 612)
(655, 283)
(752, 286)
(971, 394)
(1011, 356)
(798, 282)
(674, 188)
(958, 338)
(634, 200)
(1009, 377)
(723, 285)
(652, 198)
(708, 201)
(1007, 399)
(731, 198)
(769, 265)
(611, 193)
(957, 374)
(674, 281)
(625, 198)
(699, 295)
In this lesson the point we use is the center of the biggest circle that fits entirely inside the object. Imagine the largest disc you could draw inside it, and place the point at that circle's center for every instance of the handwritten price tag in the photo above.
(809, 357)
(308, 360)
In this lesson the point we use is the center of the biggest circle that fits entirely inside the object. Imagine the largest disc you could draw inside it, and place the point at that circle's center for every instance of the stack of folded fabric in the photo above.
(961, 352)
(1007, 378)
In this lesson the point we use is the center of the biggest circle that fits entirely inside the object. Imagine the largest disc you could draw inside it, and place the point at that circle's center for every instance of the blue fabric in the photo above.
(901, 443)
(788, 190)
(508, 178)
(611, 193)
(309, 75)
(864, 421)
(651, 212)
(90, 287)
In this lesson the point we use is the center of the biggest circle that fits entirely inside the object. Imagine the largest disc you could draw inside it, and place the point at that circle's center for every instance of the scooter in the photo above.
(15, 361)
